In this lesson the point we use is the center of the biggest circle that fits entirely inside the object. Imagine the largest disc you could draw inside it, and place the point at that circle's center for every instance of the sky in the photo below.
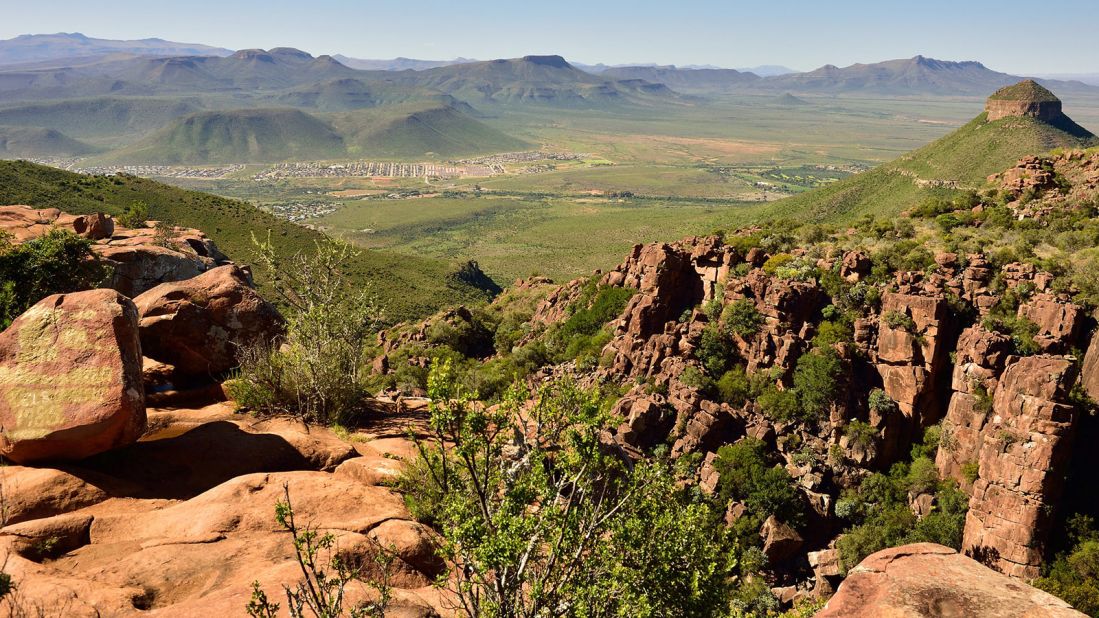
(1015, 36)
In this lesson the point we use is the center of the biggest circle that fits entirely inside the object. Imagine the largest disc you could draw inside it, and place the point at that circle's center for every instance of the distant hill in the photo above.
(397, 64)
(271, 135)
(413, 132)
(19, 142)
(114, 117)
(961, 160)
(43, 47)
(237, 136)
(788, 100)
(906, 77)
(408, 286)
(350, 94)
(685, 80)
(767, 70)
(546, 80)
(250, 72)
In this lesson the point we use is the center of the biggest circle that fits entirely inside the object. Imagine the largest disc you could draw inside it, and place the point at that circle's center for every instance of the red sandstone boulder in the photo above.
(24, 223)
(924, 579)
(70, 378)
(198, 325)
(780, 541)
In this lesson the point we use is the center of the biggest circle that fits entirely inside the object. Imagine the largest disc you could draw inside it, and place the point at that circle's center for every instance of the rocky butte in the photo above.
(1027, 98)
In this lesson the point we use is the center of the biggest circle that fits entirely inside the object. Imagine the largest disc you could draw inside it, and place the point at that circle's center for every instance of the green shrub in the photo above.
(899, 320)
(765, 488)
(734, 387)
(880, 514)
(56, 263)
(1074, 575)
(777, 261)
(614, 540)
(861, 434)
(715, 349)
(880, 402)
(742, 318)
(318, 372)
(135, 215)
(817, 382)
(779, 405)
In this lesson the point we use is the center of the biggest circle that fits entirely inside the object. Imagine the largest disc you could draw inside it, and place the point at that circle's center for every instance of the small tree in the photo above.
(318, 371)
(541, 518)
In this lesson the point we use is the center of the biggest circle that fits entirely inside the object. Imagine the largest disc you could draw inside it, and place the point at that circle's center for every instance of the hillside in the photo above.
(104, 117)
(961, 160)
(906, 77)
(17, 142)
(686, 80)
(348, 94)
(237, 136)
(408, 286)
(415, 131)
(544, 80)
(40, 47)
(397, 64)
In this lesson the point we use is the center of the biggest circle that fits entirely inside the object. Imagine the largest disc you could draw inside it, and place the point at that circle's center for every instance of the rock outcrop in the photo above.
(182, 523)
(1027, 98)
(1024, 459)
(140, 258)
(70, 378)
(925, 579)
(199, 325)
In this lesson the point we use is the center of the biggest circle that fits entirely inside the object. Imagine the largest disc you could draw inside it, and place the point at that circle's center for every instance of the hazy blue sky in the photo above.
(1019, 36)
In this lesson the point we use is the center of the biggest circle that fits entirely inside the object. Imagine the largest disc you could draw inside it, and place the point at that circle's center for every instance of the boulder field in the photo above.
(1010, 425)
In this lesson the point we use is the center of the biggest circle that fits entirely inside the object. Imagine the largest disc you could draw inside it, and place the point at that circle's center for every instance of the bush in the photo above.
(58, 262)
(817, 382)
(746, 475)
(321, 592)
(734, 387)
(742, 318)
(861, 434)
(715, 349)
(557, 521)
(135, 216)
(318, 372)
(1074, 575)
(882, 518)
(779, 405)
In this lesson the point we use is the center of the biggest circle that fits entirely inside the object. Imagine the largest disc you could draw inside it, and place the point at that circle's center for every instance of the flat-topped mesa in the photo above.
(1027, 98)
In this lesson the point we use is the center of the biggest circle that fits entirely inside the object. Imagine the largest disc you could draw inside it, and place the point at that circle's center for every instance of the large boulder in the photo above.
(24, 223)
(924, 579)
(70, 378)
(198, 325)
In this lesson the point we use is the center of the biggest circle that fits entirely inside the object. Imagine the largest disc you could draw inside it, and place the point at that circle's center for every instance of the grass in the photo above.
(965, 159)
(514, 237)
(409, 285)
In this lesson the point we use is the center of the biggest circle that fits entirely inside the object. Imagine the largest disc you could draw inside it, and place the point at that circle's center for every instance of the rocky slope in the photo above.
(842, 357)
(133, 489)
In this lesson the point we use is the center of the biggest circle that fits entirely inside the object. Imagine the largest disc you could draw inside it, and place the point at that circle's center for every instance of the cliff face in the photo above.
(1042, 110)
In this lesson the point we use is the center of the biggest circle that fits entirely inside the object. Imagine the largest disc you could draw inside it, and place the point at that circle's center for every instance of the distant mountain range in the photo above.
(397, 64)
(31, 48)
(193, 103)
